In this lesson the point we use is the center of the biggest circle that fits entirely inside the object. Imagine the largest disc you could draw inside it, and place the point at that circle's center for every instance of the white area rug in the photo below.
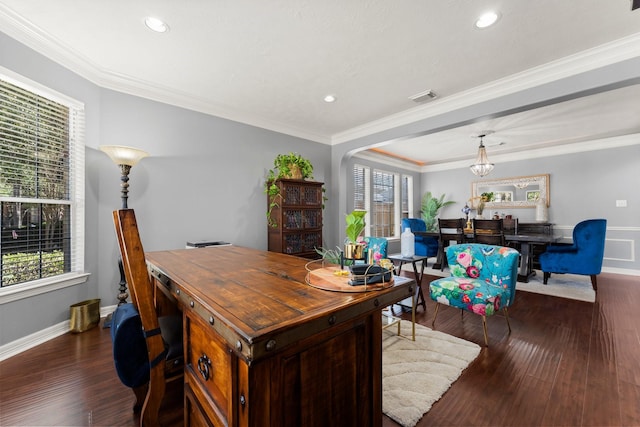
(415, 374)
(570, 286)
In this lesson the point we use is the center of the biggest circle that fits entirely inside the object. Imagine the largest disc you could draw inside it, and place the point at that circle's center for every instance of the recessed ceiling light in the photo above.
(156, 24)
(330, 98)
(487, 19)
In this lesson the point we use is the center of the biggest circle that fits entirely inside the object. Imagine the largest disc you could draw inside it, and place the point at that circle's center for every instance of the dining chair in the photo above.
(158, 339)
(584, 256)
(488, 231)
(450, 230)
(483, 281)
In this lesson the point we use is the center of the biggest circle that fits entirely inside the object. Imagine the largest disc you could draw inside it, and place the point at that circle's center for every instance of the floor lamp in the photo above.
(125, 158)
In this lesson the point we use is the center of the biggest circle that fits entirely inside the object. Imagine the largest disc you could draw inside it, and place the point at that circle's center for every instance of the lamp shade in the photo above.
(482, 166)
(122, 155)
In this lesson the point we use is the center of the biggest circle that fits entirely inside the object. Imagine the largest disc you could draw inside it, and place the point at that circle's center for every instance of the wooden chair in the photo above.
(163, 335)
(488, 231)
(450, 230)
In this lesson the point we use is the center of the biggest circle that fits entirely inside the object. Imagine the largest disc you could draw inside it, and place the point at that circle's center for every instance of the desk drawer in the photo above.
(210, 362)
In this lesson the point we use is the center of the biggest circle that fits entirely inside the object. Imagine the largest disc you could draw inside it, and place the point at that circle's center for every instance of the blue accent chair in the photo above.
(584, 256)
(483, 281)
(424, 246)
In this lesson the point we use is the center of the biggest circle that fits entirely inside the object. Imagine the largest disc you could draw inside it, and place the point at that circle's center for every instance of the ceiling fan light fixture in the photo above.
(487, 19)
(482, 166)
(156, 24)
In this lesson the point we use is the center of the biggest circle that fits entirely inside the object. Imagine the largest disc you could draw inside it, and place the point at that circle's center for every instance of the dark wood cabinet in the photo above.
(263, 348)
(297, 218)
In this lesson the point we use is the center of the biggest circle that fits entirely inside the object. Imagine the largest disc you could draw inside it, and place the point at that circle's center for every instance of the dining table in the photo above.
(526, 241)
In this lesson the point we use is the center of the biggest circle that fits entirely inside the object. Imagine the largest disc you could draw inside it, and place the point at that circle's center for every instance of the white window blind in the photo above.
(41, 182)
(361, 191)
(383, 205)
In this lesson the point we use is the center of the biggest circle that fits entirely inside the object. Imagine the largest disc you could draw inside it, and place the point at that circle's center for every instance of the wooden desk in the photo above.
(262, 348)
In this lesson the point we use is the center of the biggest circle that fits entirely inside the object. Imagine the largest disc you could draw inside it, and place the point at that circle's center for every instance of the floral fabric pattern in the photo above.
(483, 278)
(379, 247)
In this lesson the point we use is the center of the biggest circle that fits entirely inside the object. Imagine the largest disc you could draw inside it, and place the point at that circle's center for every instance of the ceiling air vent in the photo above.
(425, 96)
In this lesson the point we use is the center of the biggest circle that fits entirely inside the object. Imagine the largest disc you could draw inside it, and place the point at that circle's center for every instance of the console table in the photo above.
(263, 348)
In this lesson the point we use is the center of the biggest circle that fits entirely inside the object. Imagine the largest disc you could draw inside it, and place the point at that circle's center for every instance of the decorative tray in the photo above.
(331, 277)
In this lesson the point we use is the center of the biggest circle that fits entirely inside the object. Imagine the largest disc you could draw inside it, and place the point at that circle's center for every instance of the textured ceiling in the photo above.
(270, 63)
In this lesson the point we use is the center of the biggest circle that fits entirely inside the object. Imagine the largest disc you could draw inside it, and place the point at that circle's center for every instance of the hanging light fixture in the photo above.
(482, 166)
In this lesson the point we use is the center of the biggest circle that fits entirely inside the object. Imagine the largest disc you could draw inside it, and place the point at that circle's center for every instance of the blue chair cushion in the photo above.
(129, 346)
(584, 256)
(424, 245)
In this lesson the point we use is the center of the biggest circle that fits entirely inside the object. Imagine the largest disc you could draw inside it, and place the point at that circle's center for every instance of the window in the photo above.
(407, 196)
(41, 185)
(386, 196)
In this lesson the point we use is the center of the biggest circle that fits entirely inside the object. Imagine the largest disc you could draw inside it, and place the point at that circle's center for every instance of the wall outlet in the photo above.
(621, 203)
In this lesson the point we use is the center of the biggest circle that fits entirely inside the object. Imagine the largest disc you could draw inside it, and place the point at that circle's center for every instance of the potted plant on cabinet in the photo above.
(354, 248)
(287, 166)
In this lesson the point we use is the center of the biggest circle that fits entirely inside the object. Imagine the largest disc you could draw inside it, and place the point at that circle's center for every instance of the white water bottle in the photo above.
(407, 243)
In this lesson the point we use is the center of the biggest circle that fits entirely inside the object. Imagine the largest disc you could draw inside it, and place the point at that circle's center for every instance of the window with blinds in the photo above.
(387, 197)
(41, 183)
(407, 196)
(383, 204)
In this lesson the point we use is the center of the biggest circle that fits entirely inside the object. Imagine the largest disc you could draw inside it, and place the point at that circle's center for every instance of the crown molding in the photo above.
(37, 39)
(389, 161)
(591, 59)
(42, 42)
(578, 147)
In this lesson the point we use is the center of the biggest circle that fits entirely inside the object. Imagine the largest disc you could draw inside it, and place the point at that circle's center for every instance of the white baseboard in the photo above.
(25, 343)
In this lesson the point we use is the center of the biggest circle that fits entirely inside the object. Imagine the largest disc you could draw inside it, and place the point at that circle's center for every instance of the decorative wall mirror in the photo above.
(515, 192)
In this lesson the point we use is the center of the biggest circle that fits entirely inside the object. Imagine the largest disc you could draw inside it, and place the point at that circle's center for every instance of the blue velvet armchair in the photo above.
(483, 281)
(584, 256)
(424, 246)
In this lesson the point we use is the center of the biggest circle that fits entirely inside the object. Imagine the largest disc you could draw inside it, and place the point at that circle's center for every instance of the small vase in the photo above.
(353, 251)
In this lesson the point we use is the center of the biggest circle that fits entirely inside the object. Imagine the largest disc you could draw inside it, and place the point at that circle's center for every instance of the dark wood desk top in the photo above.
(255, 296)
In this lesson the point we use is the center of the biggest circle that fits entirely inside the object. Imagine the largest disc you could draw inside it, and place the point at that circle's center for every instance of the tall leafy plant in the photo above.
(430, 207)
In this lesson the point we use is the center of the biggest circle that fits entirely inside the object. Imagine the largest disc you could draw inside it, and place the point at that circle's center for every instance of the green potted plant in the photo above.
(354, 249)
(484, 198)
(430, 207)
(287, 166)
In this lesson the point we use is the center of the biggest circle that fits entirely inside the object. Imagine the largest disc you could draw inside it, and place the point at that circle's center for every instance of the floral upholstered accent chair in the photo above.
(483, 281)
(377, 246)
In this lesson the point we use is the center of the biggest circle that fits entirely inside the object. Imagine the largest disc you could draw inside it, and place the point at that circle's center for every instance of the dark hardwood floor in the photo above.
(566, 363)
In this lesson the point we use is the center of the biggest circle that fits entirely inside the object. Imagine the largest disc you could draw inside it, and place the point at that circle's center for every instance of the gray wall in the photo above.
(203, 180)
(582, 185)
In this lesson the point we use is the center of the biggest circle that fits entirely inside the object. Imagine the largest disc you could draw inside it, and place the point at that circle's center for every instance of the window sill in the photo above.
(41, 286)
